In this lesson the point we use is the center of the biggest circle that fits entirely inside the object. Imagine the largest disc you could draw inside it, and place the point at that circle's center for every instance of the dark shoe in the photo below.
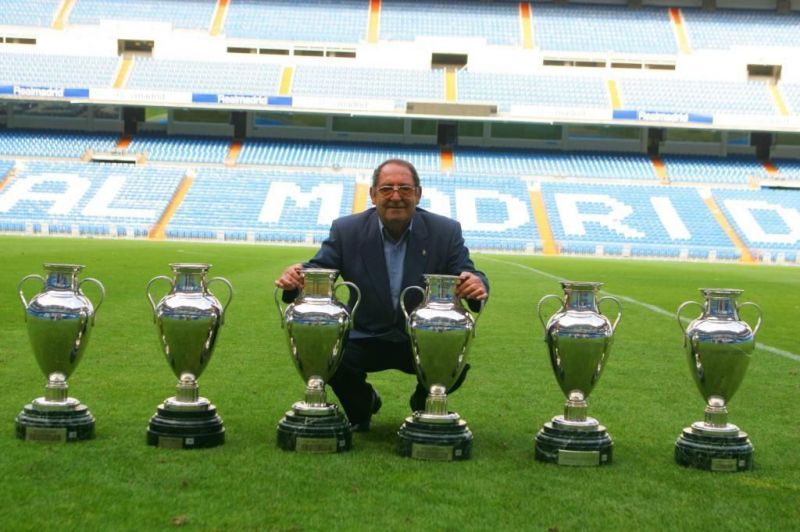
(376, 405)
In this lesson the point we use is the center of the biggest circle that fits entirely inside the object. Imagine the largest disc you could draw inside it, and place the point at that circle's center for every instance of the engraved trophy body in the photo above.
(188, 319)
(579, 340)
(718, 346)
(441, 332)
(59, 320)
(316, 326)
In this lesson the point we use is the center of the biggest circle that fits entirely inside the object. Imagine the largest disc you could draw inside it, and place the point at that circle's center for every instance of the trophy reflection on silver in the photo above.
(579, 340)
(188, 320)
(441, 332)
(718, 346)
(316, 326)
(59, 320)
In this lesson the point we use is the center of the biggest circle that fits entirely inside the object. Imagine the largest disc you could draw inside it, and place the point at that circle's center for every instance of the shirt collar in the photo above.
(384, 233)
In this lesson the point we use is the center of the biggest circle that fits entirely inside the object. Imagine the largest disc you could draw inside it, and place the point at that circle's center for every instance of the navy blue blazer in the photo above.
(355, 248)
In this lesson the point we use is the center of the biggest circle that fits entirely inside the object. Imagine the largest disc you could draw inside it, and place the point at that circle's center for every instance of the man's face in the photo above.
(395, 207)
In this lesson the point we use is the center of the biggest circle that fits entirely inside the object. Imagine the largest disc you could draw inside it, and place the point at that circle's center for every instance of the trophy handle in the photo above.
(22, 294)
(102, 294)
(757, 326)
(281, 310)
(539, 308)
(680, 309)
(230, 295)
(358, 297)
(150, 297)
(403, 298)
(619, 309)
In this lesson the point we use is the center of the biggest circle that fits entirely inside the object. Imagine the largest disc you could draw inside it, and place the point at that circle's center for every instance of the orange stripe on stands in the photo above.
(678, 27)
(374, 21)
(726, 226)
(124, 71)
(777, 97)
(124, 142)
(7, 179)
(661, 170)
(770, 168)
(233, 153)
(219, 17)
(446, 160)
(450, 89)
(525, 21)
(63, 14)
(360, 197)
(286, 81)
(157, 232)
(613, 93)
(542, 223)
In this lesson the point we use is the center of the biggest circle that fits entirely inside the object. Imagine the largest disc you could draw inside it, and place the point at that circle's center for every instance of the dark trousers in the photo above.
(367, 355)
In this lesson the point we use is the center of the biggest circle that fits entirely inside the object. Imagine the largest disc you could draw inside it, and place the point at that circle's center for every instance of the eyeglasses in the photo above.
(405, 191)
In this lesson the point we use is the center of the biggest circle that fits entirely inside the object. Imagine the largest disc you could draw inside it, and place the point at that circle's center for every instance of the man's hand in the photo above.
(470, 286)
(291, 278)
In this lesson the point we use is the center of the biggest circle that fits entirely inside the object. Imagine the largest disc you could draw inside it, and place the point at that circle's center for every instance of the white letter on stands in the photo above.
(742, 212)
(573, 220)
(330, 196)
(63, 202)
(515, 215)
(670, 219)
(438, 202)
(99, 205)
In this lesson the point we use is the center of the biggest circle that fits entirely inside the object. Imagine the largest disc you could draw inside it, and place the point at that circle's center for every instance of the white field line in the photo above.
(648, 306)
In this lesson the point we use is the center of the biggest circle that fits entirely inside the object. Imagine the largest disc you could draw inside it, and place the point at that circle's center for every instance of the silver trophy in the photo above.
(188, 320)
(441, 332)
(59, 320)
(579, 340)
(718, 347)
(316, 326)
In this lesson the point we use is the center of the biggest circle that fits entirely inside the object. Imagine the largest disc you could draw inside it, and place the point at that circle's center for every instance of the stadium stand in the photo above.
(237, 77)
(368, 83)
(285, 20)
(727, 29)
(697, 96)
(603, 29)
(270, 206)
(557, 164)
(732, 170)
(407, 20)
(26, 13)
(627, 156)
(181, 148)
(181, 14)
(43, 143)
(547, 91)
(336, 155)
(87, 199)
(57, 70)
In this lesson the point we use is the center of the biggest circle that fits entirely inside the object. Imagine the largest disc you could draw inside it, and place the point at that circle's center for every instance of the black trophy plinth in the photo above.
(437, 441)
(584, 446)
(75, 424)
(729, 452)
(314, 432)
(185, 428)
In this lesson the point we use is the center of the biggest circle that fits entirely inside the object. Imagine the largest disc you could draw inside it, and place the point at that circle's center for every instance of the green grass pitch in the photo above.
(645, 397)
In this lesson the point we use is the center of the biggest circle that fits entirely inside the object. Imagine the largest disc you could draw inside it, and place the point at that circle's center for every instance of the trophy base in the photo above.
(70, 425)
(582, 444)
(186, 428)
(314, 430)
(437, 438)
(729, 450)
